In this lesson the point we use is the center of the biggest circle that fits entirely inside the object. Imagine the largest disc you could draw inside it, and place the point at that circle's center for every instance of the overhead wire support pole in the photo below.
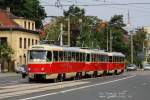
(131, 34)
(69, 31)
(107, 40)
(131, 47)
(61, 34)
(111, 40)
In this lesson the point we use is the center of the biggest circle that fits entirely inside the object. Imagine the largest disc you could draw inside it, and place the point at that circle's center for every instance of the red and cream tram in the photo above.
(56, 62)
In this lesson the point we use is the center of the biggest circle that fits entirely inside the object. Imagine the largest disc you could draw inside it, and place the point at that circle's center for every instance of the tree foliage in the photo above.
(138, 41)
(30, 9)
(5, 54)
(90, 31)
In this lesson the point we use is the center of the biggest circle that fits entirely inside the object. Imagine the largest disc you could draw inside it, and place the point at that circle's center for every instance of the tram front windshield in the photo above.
(37, 55)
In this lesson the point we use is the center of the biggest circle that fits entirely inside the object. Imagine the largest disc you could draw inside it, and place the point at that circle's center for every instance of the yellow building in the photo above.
(147, 44)
(19, 33)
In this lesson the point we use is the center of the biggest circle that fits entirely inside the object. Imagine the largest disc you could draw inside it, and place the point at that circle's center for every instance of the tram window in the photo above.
(60, 56)
(110, 59)
(103, 58)
(65, 56)
(69, 55)
(81, 57)
(88, 58)
(96, 58)
(118, 59)
(114, 59)
(123, 59)
(55, 55)
(77, 56)
(92, 56)
(49, 56)
(37, 54)
(106, 58)
(99, 57)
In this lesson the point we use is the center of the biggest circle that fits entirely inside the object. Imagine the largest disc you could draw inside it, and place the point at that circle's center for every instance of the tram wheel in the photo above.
(30, 79)
(61, 77)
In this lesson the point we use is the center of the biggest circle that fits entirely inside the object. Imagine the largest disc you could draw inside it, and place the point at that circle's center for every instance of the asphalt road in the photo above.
(128, 86)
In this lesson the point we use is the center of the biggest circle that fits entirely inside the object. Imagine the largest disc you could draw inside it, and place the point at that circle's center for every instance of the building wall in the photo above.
(147, 29)
(13, 39)
(147, 43)
(24, 23)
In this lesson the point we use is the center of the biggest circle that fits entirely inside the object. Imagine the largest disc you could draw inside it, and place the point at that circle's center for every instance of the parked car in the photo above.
(131, 67)
(146, 66)
(17, 69)
(21, 69)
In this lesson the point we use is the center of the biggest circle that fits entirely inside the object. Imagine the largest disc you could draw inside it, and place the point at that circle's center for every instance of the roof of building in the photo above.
(7, 22)
(5, 19)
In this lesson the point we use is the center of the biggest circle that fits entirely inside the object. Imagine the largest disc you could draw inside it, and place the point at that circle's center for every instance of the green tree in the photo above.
(115, 26)
(53, 29)
(75, 15)
(138, 40)
(30, 9)
(5, 55)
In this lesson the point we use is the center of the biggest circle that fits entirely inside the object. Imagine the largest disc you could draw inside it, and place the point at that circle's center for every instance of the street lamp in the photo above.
(130, 30)
(80, 38)
(69, 30)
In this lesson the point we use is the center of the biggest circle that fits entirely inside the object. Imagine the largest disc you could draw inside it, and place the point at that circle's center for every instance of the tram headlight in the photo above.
(42, 69)
(29, 69)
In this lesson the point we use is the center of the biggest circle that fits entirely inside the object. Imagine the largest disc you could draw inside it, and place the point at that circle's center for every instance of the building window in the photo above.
(29, 25)
(28, 42)
(24, 58)
(36, 41)
(25, 24)
(20, 42)
(20, 59)
(32, 26)
(32, 42)
(25, 43)
(3, 40)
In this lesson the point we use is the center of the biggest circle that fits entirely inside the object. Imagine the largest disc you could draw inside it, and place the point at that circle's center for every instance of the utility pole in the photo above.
(80, 40)
(129, 29)
(69, 31)
(111, 40)
(131, 47)
(61, 34)
(107, 39)
(131, 34)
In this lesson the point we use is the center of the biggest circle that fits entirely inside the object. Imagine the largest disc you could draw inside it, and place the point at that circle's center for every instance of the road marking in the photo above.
(44, 87)
(144, 84)
(79, 88)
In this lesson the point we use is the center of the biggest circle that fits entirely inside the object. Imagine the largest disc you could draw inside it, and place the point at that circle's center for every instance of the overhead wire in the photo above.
(102, 4)
(108, 4)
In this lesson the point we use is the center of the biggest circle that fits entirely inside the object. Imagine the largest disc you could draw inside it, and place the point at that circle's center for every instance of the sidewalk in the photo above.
(8, 74)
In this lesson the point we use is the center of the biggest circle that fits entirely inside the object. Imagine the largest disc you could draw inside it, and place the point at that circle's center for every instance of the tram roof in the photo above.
(74, 49)
(46, 47)
(57, 48)
(116, 54)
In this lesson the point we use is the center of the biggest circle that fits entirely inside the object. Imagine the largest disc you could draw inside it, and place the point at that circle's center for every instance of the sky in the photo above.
(139, 13)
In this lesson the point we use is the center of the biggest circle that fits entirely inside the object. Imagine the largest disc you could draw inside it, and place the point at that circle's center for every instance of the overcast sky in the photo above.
(139, 13)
